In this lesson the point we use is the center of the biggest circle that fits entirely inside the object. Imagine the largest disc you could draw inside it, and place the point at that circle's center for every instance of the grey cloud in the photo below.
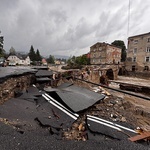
(6, 5)
(66, 26)
(111, 25)
(59, 16)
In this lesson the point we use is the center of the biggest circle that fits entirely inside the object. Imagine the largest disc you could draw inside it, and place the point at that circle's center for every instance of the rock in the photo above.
(112, 102)
(80, 126)
(110, 105)
(123, 119)
(122, 108)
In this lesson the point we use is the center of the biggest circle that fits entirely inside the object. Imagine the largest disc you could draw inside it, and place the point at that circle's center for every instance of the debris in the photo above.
(49, 117)
(55, 115)
(144, 135)
(104, 91)
(123, 119)
(72, 99)
(80, 127)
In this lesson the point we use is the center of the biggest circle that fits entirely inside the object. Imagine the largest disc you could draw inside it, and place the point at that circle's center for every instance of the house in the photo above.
(44, 62)
(104, 53)
(57, 62)
(138, 53)
(15, 59)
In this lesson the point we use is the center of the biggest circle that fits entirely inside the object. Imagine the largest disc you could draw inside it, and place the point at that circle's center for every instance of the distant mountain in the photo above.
(58, 57)
(61, 57)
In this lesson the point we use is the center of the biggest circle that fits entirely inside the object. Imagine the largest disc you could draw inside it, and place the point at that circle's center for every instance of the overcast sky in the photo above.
(70, 27)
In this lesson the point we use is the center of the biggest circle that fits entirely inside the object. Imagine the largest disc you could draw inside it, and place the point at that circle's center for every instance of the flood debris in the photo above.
(143, 135)
(69, 111)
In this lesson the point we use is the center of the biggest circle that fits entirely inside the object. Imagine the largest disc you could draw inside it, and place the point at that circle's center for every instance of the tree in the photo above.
(121, 44)
(32, 54)
(77, 62)
(38, 56)
(12, 51)
(2, 51)
(51, 59)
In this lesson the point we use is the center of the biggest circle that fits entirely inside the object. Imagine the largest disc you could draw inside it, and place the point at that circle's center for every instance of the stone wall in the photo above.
(13, 85)
(144, 75)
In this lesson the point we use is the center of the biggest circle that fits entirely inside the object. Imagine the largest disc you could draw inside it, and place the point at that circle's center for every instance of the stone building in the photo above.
(104, 53)
(138, 53)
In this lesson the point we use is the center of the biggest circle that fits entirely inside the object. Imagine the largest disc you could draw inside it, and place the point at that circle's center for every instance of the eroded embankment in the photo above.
(13, 85)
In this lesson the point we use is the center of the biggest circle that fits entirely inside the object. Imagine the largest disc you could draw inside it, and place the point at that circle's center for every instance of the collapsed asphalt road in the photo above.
(31, 122)
(37, 120)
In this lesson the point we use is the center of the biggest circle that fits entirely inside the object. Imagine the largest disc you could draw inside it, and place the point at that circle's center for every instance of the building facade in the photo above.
(104, 53)
(18, 60)
(138, 53)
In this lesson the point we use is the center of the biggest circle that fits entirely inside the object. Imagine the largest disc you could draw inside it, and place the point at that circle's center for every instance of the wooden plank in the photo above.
(142, 136)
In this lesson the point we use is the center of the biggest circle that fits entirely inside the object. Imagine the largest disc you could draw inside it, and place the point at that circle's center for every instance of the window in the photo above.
(146, 68)
(135, 41)
(100, 48)
(135, 50)
(148, 40)
(134, 59)
(94, 55)
(133, 68)
(148, 49)
(147, 59)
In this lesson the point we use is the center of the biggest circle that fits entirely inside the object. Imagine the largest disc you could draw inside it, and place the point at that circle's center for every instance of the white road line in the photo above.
(59, 107)
(111, 123)
(52, 99)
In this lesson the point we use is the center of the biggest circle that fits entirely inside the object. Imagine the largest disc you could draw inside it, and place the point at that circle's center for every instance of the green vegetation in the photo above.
(35, 57)
(78, 62)
(38, 57)
(2, 51)
(51, 59)
(121, 44)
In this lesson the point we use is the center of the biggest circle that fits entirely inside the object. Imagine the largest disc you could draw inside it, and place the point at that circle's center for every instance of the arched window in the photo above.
(110, 74)
(146, 68)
